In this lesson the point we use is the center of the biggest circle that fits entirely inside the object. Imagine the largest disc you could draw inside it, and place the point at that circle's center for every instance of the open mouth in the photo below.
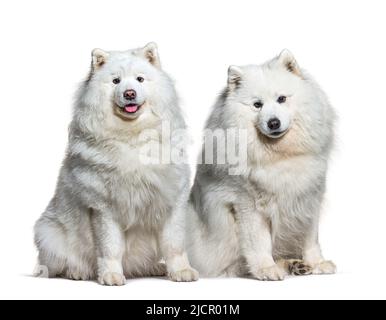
(131, 108)
(129, 111)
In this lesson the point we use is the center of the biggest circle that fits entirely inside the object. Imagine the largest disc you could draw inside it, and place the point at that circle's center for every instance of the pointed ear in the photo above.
(150, 53)
(235, 76)
(288, 61)
(99, 58)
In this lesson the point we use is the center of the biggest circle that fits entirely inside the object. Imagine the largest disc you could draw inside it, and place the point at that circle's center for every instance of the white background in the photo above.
(45, 53)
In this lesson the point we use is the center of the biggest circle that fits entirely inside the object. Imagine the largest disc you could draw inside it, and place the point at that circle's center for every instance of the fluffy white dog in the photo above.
(256, 221)
(114, 216)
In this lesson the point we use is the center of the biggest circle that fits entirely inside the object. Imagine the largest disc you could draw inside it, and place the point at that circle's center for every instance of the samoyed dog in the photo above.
(114, 215)
(263, 220)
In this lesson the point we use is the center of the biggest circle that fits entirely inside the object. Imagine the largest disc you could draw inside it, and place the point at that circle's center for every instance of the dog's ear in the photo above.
(99, 58)
(287, 59)
(235, 76)
(150, 53)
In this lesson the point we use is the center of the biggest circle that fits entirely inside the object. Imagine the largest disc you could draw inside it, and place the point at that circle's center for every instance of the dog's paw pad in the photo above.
(300, 268)
(112, 279)
(325, 267)
(273, 273)
(186, 275)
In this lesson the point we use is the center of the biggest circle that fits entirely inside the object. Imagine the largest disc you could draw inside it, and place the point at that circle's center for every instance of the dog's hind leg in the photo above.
(49, 266)
(312, 252)
(50, 241)
(57, 258)
(295, 267)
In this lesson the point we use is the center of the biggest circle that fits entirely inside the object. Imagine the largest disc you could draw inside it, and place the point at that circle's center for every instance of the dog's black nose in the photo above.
(130, 94)
(274, 124)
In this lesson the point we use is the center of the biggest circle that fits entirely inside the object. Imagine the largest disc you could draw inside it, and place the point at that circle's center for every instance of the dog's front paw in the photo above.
(186, 275)
(112, 279)
(324, 267)
(273, 273)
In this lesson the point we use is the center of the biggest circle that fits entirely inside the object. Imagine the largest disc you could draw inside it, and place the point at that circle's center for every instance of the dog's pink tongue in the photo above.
(131, 108)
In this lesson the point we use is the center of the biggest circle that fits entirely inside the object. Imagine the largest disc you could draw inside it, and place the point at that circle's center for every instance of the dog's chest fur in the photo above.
(140, 194)
(142, 197)
(289, 178)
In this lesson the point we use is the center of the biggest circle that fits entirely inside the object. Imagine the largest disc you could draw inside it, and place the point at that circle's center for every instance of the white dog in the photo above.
(114, 216)
(254, 222)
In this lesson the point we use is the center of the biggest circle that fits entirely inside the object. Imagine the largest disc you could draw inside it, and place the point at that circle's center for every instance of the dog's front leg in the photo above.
(109, 242)
(256, 243)
(312, 253)
(173, 247)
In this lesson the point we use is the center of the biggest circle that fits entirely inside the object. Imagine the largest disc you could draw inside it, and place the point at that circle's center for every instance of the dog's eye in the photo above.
(282, 99)
(140, 79)
(258, 105)
(117, 81)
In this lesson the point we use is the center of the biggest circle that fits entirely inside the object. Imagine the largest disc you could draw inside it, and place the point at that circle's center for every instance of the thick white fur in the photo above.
(246, 224)
(112, 216)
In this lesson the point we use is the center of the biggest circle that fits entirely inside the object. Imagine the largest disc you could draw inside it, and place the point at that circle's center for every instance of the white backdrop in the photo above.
(45, 53)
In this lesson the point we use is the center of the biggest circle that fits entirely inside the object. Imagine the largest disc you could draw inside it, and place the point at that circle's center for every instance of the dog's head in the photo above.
(126, 84)
(269, 95)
